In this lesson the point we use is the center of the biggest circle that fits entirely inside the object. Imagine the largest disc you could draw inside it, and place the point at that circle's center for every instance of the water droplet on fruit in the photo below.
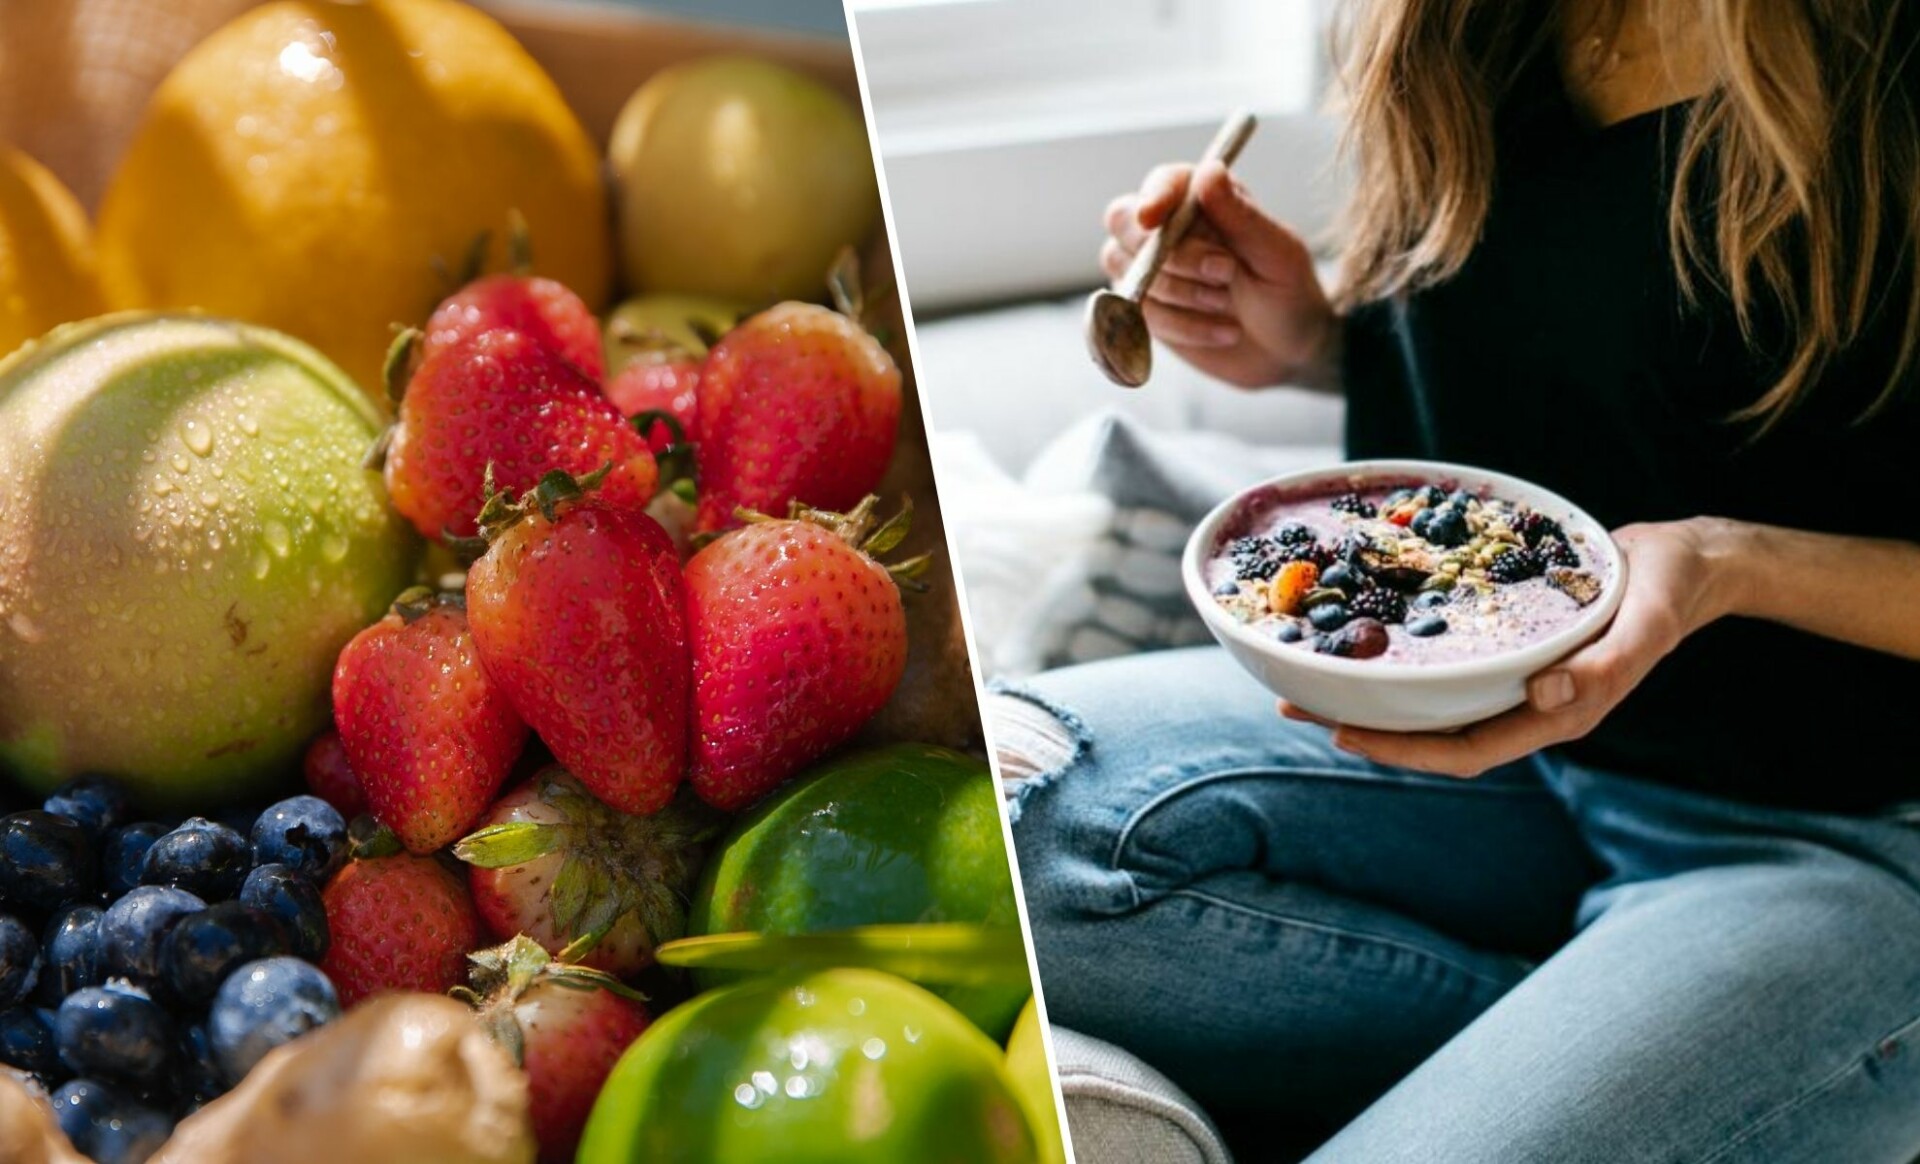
(162, 486)
(180, 463)
(23, 627)
(210, 498)
(873, 1048)
(198, 437)
(262, 565)
(247, 424)
(278, 539)
(333, 547)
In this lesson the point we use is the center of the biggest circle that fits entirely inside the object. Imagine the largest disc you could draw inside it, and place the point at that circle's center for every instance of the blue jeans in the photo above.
(1546, 964)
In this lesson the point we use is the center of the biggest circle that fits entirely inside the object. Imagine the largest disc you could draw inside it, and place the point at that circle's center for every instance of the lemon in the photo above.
(46, 254)
(306, 166)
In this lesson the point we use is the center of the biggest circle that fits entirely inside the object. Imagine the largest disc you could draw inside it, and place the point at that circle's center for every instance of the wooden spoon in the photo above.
(1116, 330)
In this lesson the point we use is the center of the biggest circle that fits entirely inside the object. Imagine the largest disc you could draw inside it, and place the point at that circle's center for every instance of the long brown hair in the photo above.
(1805, 151)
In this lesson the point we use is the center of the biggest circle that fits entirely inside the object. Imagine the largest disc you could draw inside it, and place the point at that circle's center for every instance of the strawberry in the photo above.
(502, 399)
(330, 777)
(798, 639)
(658, 384)
(797, 403)
(564, 1025)
(398, 922)
(432, 737)
(548, 834)
(580, 616)
(541, 309)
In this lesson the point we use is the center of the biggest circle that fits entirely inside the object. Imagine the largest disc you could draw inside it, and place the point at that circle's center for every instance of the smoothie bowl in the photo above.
(1401, 595)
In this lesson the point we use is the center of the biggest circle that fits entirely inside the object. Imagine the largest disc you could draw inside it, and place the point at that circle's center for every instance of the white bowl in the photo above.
(1373, 693)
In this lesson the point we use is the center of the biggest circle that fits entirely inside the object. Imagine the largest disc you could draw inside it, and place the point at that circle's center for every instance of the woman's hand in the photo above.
(1238, 298)
(1679, 579)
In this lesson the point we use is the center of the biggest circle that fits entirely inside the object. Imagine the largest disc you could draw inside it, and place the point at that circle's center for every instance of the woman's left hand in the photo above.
(1674, 587)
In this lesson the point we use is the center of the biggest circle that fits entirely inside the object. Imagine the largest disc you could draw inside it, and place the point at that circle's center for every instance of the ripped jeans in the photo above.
(1546, 964)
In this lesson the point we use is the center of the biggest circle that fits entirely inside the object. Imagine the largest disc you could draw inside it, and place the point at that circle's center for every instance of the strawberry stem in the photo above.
(396, 371)
(368, 838)
(519, 243)
(500, 510)
(676, 461)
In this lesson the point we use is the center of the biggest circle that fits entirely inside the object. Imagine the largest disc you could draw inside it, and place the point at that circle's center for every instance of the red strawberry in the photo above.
(331, 778)
(565, 1025)
(664, 384)
(550, 833)
(506, 400)
(541, 309)
(580, 616)
(798, 403)
(397, 922)
(798, 639)
(432, 737)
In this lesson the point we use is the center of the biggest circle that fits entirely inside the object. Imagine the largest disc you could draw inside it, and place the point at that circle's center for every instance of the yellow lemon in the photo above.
(46, 255)
(318, 166)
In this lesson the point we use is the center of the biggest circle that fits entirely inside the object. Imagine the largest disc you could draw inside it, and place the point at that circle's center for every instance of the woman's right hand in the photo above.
(1238, 298)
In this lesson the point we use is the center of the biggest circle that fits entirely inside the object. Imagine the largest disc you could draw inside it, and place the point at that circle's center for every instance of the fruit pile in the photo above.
(576, 661)
(146, 966)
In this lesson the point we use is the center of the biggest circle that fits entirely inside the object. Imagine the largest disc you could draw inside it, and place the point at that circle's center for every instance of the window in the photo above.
(976, 100)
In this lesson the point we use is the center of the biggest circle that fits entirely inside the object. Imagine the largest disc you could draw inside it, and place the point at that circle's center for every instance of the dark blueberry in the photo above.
(125, 850)
(1350, 546)
(1363, 638)
(1289, 632)
(19, 961)
(295, 901)
(200, 1070)
(201, 857)
(1354, 504)
(1448, 527)
(1428, 599)
(302, 832)
(26, 1042)
(1329, 616)
(108, 1125)
(1380, 604)
(264, 1004)
(96, 803)
(1341, 576)
(118, 1033)
(1555, 551)
(1226, 590)
(1321, 556)
(1256, 559)
(203, 948)
(1294, 533)
(1515, 566)
(1422, 523)
(45, 860)
(1394, 498)
(1427, 625)
(1432, 494)
(70, 955)
(1459, 498)
(133, 928)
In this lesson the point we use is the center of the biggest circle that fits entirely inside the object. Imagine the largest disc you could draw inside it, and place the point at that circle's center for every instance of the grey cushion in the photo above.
(1121, 1111)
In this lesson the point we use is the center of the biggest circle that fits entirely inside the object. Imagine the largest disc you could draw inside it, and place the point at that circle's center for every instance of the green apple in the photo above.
(648, 324)
(187, 539)
(832, 1067)
(891, 835)
(739, 178)
(1033, 1084)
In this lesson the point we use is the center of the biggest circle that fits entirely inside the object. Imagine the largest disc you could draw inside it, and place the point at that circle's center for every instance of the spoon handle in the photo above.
(1224, 148)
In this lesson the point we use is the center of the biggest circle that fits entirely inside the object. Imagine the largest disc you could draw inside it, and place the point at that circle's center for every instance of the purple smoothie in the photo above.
(1433, 555)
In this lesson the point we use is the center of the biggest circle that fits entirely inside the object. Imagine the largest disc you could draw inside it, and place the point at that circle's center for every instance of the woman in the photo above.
(1660, 257)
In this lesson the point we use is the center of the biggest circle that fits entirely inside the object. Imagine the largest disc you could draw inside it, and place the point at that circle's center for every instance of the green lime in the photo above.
(1033, 1084)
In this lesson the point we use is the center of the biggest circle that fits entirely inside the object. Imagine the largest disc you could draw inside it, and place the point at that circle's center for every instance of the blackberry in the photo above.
(1555, 551)
(1515, 566)
(1351, 546)
(1309, 551)
(1256, 558)
(1355, 504)
(1378, 603)
(1294, 533)
(1532, 526)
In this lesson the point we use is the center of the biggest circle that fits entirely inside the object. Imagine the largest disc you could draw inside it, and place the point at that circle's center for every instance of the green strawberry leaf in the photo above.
(514, 843)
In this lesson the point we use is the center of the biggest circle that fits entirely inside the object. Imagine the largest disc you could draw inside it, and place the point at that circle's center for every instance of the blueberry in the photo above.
(203, 948)
(1422, 523)
(1459, 498)
(1432, 494)
(96, 803)
(1341, 576)
(1289, 632)
(108, 1125)
(26, 1042)
(304, 833)
(201, 857)
(264, 1004)
(294, 900)
(125, 850)
(116, 1032)
(1329, 616)
(200, 1079)
(1396, 497)
(45, 860)
(1429, 599)
(19, 961)
(133, 928)
(1226, 589)
(1448, 527)
(71, 954)
(1427, 625)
